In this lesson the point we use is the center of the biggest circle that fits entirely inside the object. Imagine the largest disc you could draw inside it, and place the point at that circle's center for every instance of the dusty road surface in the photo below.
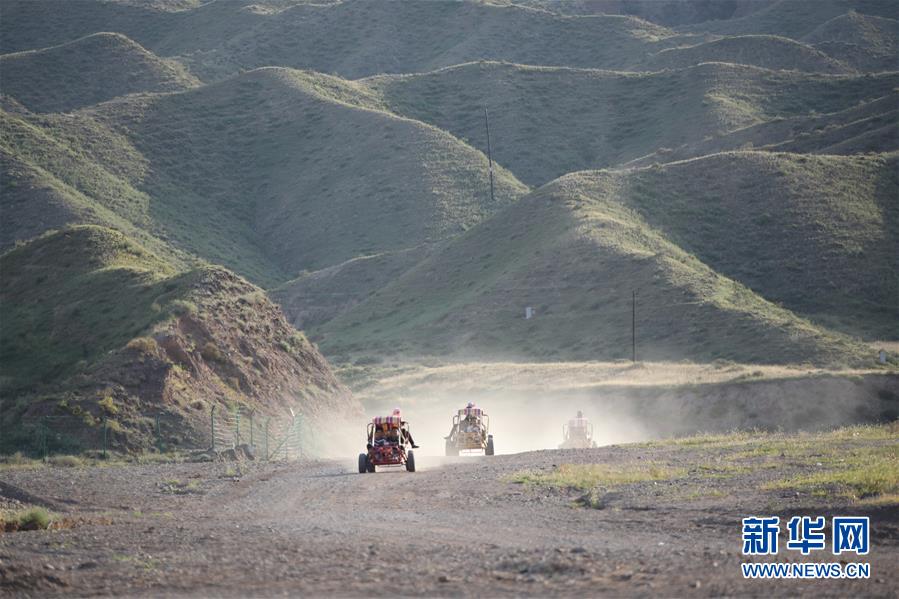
(460, 527)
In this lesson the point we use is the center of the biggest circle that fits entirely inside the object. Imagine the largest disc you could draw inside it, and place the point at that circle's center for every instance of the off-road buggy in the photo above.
(470, 432)
(577, 434)
(388, 437)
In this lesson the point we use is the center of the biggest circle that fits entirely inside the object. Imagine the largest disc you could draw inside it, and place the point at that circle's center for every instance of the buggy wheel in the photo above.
(410, 461)
(489, 450)
(369, 465)
(363, 463)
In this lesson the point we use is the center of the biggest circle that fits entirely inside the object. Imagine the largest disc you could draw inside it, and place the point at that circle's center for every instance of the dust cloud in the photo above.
(530, 416)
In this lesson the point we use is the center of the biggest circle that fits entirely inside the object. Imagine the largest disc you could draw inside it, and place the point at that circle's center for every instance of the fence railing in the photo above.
(269, 437)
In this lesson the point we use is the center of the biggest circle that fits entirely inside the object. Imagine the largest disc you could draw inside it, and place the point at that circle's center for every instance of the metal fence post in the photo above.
(237, 427)
(45, 450)
(105, 436)
(251, 429)
(158, 435)
(267, 420)
(212, 421)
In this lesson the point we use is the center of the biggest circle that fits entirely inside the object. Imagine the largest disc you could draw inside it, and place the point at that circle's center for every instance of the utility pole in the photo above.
(634, 326)
(489, 155)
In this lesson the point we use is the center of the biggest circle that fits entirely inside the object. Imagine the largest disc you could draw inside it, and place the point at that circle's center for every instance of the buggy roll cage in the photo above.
(566, 430)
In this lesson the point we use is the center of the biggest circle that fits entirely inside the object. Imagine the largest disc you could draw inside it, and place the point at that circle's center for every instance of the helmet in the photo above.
(470, 405)
(397, 412)
(580, 414)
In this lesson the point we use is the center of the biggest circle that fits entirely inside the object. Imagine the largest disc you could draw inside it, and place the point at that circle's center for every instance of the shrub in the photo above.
(211, 353)
(107, 404)
(65, 461)
(33, 519)
(182, 308)
(144, 345)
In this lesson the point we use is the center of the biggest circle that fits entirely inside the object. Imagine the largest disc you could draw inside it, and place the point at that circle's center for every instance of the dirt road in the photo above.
(454, 528)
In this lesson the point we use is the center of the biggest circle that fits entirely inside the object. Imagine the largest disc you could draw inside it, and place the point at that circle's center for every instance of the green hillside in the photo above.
(87, 71)
(549, 121)
(670, 13)
(795, 18)
(358, 38)
(864, 41)
(314, 298)
(869, 127)
(270, 173)
(766, 51)
(574, 253)
(73, 296)
(817, 234)
(71, 169)
(96, 325)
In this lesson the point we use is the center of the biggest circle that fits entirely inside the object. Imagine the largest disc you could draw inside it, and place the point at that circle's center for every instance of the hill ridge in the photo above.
(88, 70)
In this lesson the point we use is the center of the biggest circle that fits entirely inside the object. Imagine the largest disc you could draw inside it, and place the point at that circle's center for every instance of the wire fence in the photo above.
(262, 436)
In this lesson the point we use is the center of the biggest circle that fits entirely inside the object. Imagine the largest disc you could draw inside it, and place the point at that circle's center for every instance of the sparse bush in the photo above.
(107, 404)
(33, 519)
(183, 308)
(211, 352)
(17, 460)
(65, 461)
(144, 345)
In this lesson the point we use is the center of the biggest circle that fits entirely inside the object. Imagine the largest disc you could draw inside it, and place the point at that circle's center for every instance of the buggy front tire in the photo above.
(489, 450)
(410, 462)
(363, 463)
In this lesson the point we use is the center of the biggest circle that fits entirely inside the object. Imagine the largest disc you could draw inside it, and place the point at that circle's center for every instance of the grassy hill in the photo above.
(865, 42)
(96, 325)
(869, 127)
(549, 121)
(817, 234)
(87, 71)
(573, 252)
(766, 51)
(794, 18)
(671, 13)
(316, 297)
(358, 38)
(71, 169)
(270, 173)
(352, 39)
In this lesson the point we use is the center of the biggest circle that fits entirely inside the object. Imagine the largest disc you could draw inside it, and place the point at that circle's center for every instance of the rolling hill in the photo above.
(550, 121)
(865, 42)
(794, 18)
(869, 127)
(333, 153)
(766, 51)
(91, 317)
(314, 298)
(576, 248)
(270, 173)
(817, 234)
(88, 71)
(357, 38)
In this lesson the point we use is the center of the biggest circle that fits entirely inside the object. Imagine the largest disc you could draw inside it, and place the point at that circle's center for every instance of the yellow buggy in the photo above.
(470, 432)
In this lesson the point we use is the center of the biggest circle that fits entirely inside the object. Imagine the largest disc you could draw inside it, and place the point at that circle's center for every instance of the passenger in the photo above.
(404, 428)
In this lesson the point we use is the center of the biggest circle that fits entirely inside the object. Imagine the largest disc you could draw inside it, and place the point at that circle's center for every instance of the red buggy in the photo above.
(388, 437)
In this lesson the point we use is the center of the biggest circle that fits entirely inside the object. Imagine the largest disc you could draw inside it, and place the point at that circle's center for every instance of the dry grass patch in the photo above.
(586, 477)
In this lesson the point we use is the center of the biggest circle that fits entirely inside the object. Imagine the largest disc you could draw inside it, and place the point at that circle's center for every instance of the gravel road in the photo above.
(456, 527)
